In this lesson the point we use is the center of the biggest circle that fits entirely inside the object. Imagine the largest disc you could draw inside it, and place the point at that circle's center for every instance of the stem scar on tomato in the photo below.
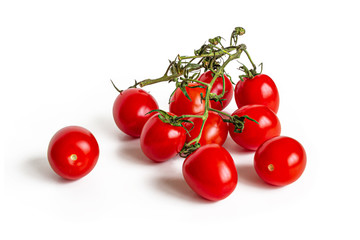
(73, 157)
(271, 167)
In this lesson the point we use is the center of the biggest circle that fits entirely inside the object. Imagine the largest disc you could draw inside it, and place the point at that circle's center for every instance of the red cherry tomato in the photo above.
(254, 134)
(161, 141)
(210, 172)
(217, 88)
(130, 109)
(215, 130)
(73, 152)
(181, 105)
(260, 89)
(280, 161)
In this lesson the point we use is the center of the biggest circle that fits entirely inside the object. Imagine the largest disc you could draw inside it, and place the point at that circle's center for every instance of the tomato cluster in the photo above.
(210, 170)
(195, 127)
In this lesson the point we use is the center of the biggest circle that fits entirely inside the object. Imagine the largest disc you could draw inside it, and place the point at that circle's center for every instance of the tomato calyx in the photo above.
(249, 73)
(178, 121)
(216, 98)
(238, 122)
(219, 97)
(189, 149)
(183, 84)
(172, 119)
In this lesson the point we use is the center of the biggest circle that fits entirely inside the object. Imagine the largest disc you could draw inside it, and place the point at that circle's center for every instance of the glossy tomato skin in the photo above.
(161, 141)
(280, 161)
(215, 130)
(217, 88)
(181, 105)
(210, 172)
(260, 89)
(73, 152)
(130, 108)
(254, 134)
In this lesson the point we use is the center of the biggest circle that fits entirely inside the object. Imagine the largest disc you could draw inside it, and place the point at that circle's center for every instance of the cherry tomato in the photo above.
(73, 152)
(215, 130)
(254, 134)
(161, 141)
(217, 88)
(181, 105)
(280, 161)
(260, 89)
(210, 172)
(130, 109)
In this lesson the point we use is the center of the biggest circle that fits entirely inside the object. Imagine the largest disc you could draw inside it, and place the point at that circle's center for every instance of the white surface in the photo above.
(56, 60)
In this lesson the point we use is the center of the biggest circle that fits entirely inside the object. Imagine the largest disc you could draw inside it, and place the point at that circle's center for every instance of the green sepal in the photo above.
(164, 115)
(183, 89)
(172, 119)
(239, 122)
(195, 75)
(214, 97)
(188, 149)
(247, 72)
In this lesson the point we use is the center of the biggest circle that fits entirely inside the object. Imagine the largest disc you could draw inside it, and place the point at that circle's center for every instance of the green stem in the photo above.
(200, 82)
(219, 53)
(222, 50)
(223, 90)
(189, 116)
(220, 112)
(208, 89)
(166, 78)
(252, 63)
(197, 139)
(146, 82)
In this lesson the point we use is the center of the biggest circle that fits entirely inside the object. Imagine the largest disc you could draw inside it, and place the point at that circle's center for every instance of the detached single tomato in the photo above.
(215, 130)
(181, 105)
(210, 172)
(280, 161)
(254, 134)
(130, 109)
(260, 89)
(73, 152)
(217, 88)
(161, 141)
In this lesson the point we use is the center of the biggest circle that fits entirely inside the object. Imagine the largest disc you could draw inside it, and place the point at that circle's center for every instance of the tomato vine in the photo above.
(185, 69)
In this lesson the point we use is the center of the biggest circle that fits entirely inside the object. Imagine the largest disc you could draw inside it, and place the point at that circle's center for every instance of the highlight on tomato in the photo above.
(280, 161)
(130, 110)
(210, 172)
(73, 152)
(259, 89)
(267, 126)
(218, 88)
(194, 103)
(162, 137)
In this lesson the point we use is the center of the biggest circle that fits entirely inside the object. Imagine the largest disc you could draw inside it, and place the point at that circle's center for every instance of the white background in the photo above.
(56, 62)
